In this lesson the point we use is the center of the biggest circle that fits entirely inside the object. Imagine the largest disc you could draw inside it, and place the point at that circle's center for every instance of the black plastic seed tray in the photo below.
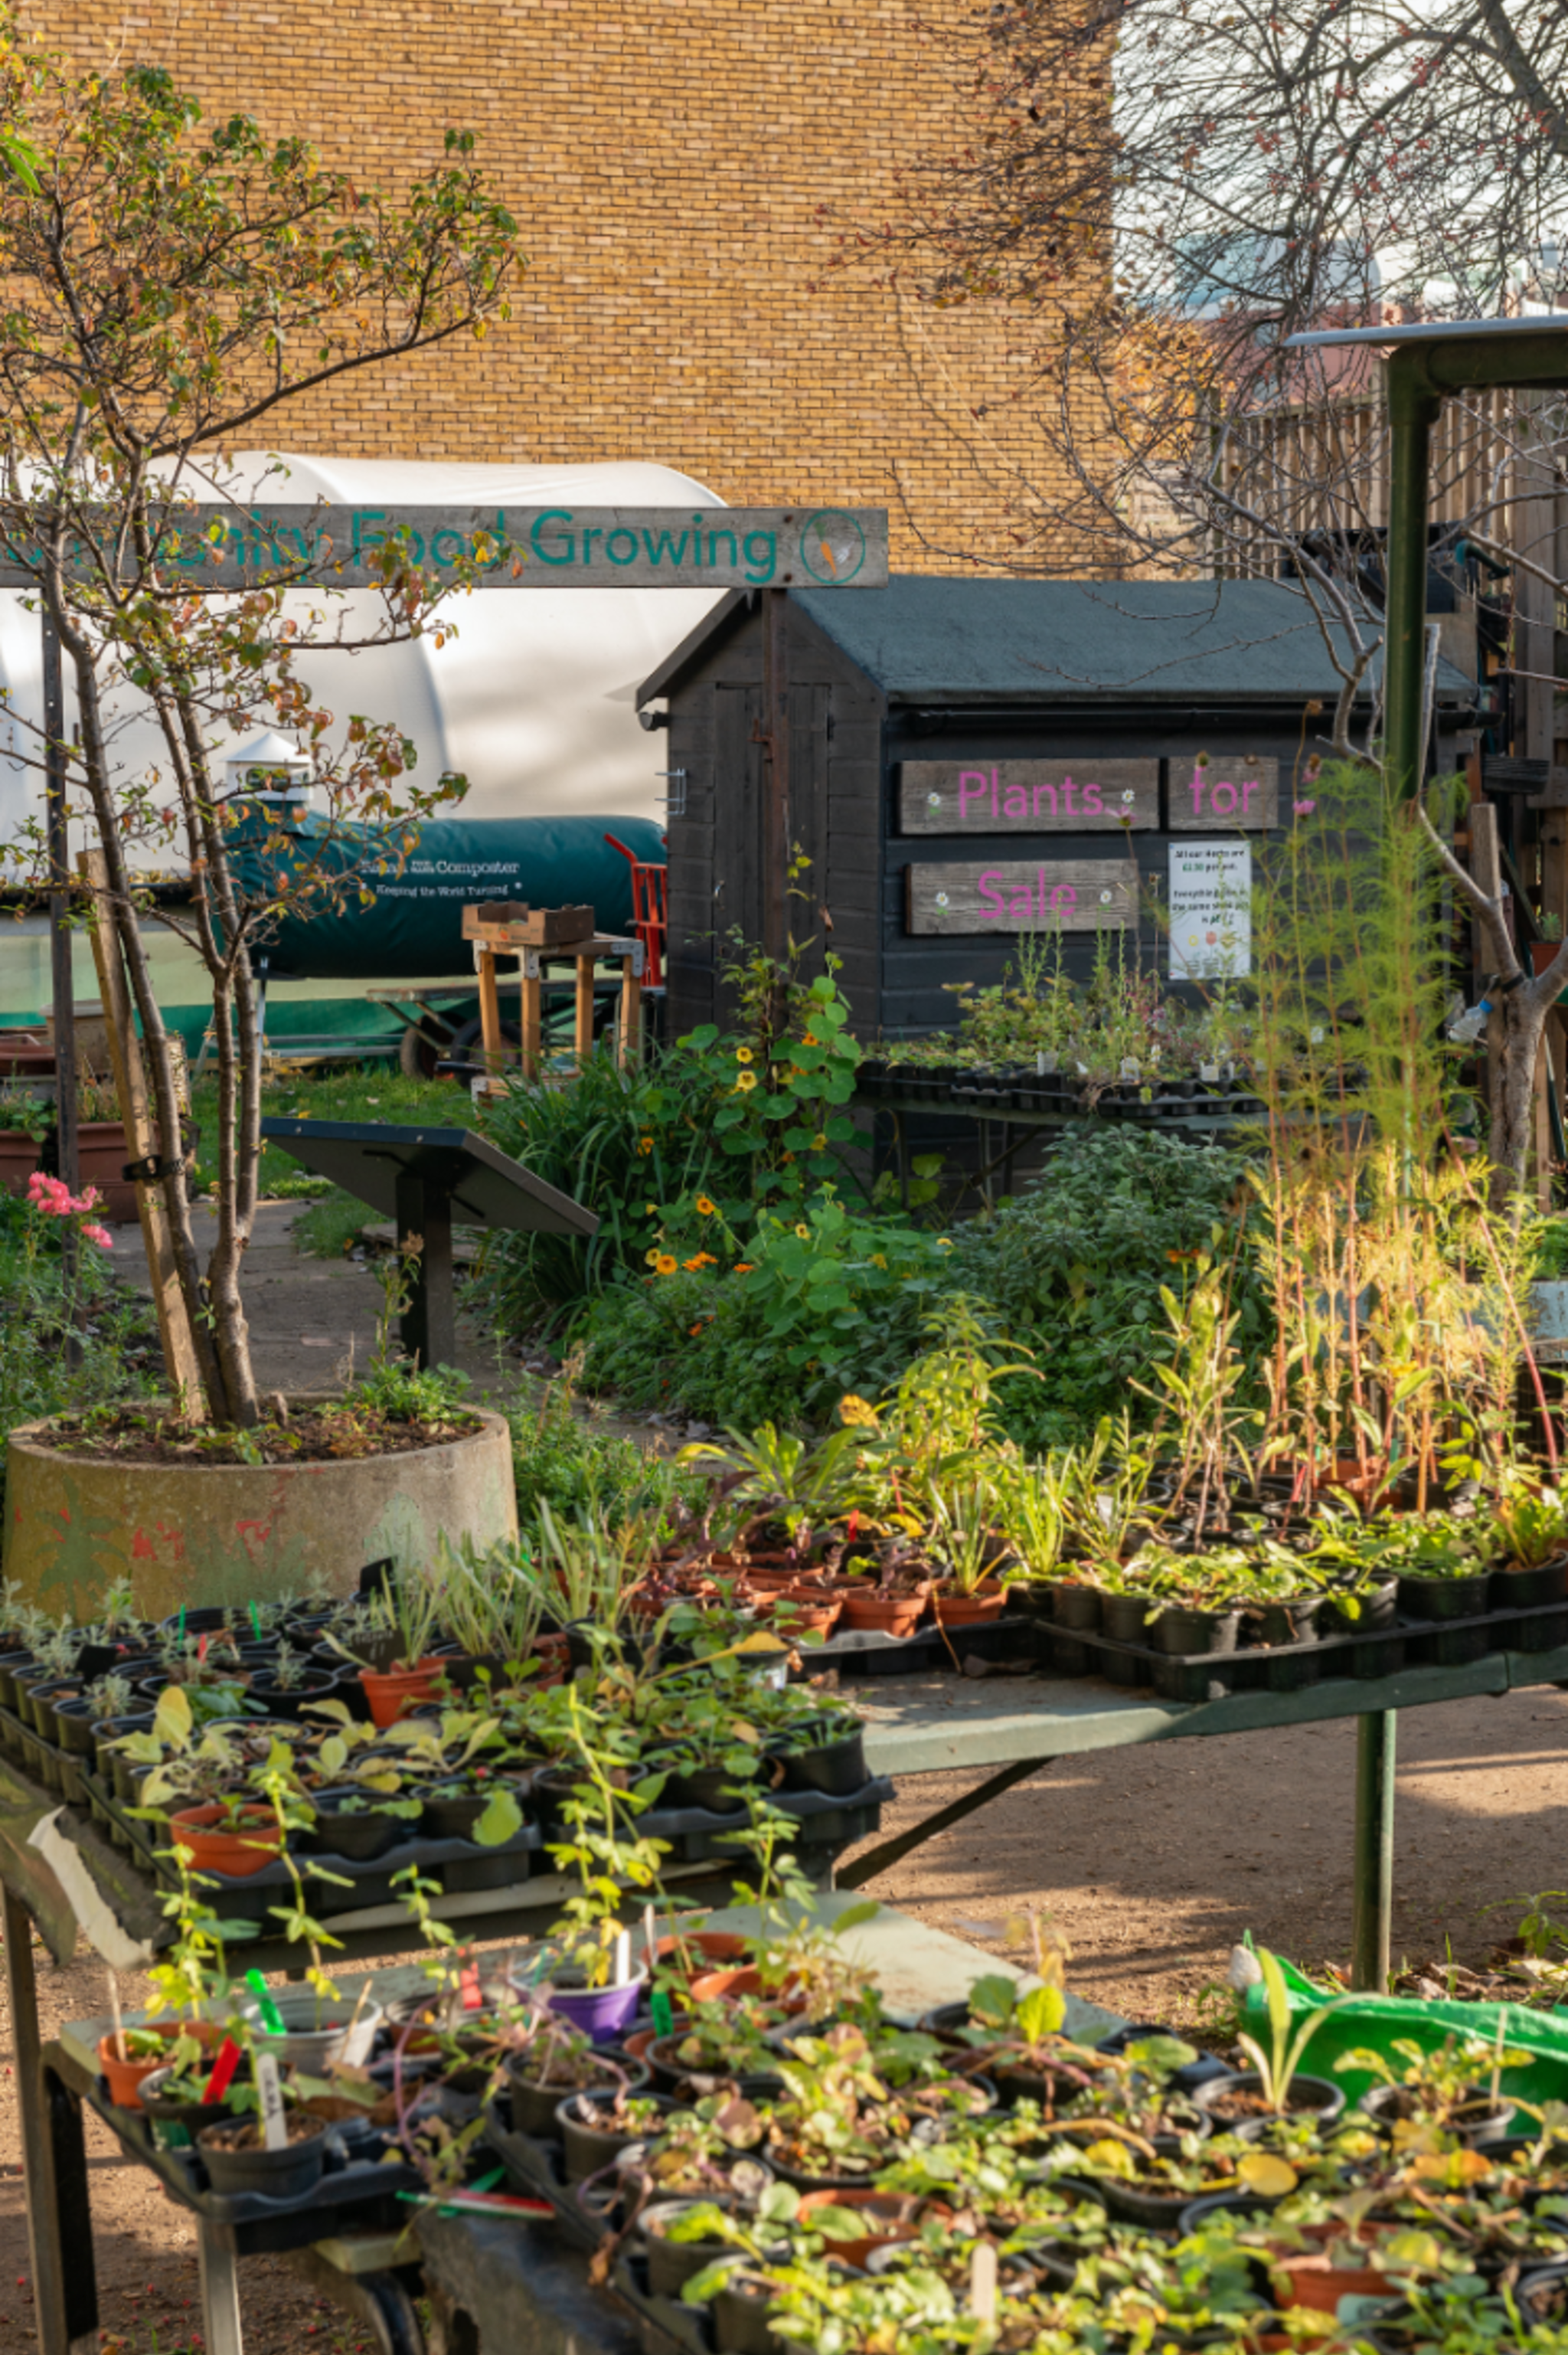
(665, 2326)
(861, 1653)
(1288, 1668)
(826, 1818)
(537, 2170)
(458, 1865)
(366, 2186)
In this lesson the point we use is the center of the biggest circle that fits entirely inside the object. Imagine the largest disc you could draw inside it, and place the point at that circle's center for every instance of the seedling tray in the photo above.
(860, 1653)
(1286, 1668)
(665, 2326)
(537, 2169)
(826, 1819)
(350, 2189)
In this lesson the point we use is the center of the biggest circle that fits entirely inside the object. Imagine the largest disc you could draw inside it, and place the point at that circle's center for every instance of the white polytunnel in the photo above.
(531, 697)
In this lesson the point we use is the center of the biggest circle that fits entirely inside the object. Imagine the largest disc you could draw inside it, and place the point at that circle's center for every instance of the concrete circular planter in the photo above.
(195, 1533)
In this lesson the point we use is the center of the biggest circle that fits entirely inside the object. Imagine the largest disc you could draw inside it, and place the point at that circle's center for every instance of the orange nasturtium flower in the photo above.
(742, 1267)
(705, 1209)
(645, 1145)
(664, 1264)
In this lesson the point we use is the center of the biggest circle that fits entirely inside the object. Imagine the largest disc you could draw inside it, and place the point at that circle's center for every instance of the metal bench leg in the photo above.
(376, 2298)
(54, 2162)
(1372, 1914)
(219, 2294)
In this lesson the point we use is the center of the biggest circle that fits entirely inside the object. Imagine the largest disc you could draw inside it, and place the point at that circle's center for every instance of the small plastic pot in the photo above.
(672, 2264)
(695, 1952)
(361, 1837)
(740, 2322)
(589, 2146)
(712, 1788)
(235, 1846)
(1476, 2120)
(1308, 2097)
(126, 2077)
(318, 1684)
(1445, 1598)
(533, 2105)
(836, 1767)
(601, 2013)
(1532, 1589)
(177, 2121)
(318, 2035)
(291, 2173)
(1074, 1605)
(890, 2216)
(1183, 1629)
(454, 1819)
(391, 1693)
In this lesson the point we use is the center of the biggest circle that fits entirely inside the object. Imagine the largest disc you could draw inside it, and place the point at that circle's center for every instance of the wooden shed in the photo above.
(969, 759)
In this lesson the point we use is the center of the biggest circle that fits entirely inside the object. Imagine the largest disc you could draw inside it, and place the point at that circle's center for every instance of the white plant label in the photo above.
(269, 2086)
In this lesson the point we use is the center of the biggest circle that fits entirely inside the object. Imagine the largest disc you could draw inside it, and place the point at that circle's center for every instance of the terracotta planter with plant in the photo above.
(887, 1611)
(235, 1841)
(954, 1609)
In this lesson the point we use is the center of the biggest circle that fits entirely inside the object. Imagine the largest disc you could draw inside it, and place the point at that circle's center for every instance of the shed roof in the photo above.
(941, 638)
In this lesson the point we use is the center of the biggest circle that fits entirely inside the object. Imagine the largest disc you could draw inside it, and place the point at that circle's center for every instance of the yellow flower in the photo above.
(742, 1055)
(704, 1207)
(645, 1145)
(664, 1263)
(745, 1082)
(804, 1234)
(820, 1141)
(943, 1244)
(857, 1412)
(651, 1209)
(879, 1259)
(652, 1258)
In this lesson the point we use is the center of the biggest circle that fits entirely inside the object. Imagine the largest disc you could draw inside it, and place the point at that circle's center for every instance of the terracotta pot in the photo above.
(892, 2214)
(1314, 2283)
(1541, 954)
(246, 1844)
(392, 1693)
(125, 2077)
(891, 1614)
(708, 1950)
(807, 1610)
(102, 1153)
(19, 1156)
(735, 1979)
(987, 1601)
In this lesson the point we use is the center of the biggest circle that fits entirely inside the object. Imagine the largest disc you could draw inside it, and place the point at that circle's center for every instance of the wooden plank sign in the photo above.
(1080, 895)
(1082, 796)
(1219, 790)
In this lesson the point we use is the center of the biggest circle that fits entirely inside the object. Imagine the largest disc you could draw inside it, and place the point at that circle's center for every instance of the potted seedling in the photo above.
(1015, 2040)
(886, 1593)
(414, 1673)
(966, 1549)
(830, 2130)
(719, 2039)
(1457, 2090)
(596, 2125)
(238, 2159)
(292, 1679)
(1274, 2088)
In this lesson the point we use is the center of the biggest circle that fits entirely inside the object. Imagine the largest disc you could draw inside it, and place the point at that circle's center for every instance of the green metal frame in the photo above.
(1426, 365)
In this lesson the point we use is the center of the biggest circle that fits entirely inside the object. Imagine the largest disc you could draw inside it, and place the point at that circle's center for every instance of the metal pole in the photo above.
(1411, 409)
(1373, 1897)
(63, 987)
(776, 807)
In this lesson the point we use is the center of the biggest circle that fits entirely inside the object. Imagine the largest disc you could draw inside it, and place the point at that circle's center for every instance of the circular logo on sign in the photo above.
(833, 546)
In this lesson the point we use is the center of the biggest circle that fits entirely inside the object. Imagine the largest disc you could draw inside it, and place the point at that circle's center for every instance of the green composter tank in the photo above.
(412, 926)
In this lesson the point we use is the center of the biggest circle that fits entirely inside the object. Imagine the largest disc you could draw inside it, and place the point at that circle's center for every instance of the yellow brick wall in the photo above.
(681, 170)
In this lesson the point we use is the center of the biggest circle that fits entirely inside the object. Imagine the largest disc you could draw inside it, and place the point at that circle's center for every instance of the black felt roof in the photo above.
(929, 638)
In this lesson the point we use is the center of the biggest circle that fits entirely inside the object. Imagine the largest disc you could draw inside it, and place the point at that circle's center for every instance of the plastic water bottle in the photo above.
(1469, 1027)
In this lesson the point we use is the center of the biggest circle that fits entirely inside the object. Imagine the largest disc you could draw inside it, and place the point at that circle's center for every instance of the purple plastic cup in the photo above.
(601, 2012)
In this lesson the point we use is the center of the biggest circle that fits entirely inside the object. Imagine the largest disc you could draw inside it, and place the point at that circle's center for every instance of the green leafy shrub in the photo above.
(685, 1153)
(1075, 1269)
(833, 1303)
(568, 1460)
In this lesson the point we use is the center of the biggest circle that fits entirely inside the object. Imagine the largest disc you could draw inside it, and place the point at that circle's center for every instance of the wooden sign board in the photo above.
(1081, 796)
(218, 547)
(1079, 895)
(1224, 794)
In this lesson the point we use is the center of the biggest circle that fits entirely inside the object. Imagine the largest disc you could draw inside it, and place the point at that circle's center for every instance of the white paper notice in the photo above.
(1211, 911)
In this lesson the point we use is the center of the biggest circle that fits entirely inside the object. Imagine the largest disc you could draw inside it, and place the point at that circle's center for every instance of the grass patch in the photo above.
(358, 1092)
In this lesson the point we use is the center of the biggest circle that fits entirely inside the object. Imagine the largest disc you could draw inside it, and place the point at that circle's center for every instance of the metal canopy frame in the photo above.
(1427, 363)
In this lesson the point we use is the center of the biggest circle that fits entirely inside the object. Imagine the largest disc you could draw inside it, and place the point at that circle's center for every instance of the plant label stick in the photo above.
(622, 1957)
(982, 2283)
(268, 2086)
(120, 2051)
(223, 2069)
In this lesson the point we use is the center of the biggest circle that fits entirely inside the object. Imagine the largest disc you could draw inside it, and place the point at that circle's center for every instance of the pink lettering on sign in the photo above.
(989, 897)
(973, 786)
(1092, 805)
(1224, 795)
(1045, 789)
(1064, 897)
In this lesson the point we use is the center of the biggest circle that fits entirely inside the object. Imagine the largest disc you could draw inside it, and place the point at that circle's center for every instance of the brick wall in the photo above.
(681, 170)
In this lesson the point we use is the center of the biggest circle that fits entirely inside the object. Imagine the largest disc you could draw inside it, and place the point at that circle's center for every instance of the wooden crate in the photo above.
(507, 923)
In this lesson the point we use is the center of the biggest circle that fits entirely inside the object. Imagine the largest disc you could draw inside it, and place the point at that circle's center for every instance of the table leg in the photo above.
(219, 2294)
(584, 1034)
(1373, 1909)
(54, 2163)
